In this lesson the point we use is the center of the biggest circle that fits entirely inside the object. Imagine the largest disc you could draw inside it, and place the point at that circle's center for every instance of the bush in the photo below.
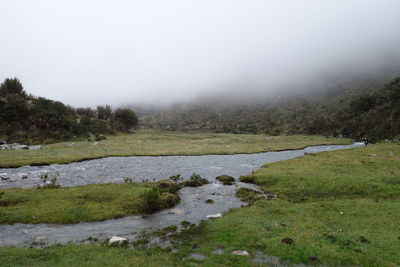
(195, 180)
(176, 178)
(167, 186)
(124, 119)
(100, 137)
(154, 199)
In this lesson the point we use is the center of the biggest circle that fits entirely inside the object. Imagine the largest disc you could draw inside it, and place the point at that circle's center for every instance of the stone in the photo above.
(117, 241)
(218, 251)
(269, 138)
(197, 256)
(35, 147)
(2, 142)
(23, 175)
(241, 253)
(176, 211)
(212, 216)
(14, 146)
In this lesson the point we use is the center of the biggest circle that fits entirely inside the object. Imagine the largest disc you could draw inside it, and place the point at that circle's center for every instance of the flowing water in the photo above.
(192, 206)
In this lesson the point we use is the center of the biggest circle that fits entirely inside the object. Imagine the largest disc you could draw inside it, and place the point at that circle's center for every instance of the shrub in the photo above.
(176, 178)
(149, 201)
(49, 180)
(124, 119)
(167, 186)
(195, 180)
(100, 137)
(154, 199)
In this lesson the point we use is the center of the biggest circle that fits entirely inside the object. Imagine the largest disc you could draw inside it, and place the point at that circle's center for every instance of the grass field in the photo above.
(77, 204)
(339, 208)
(157, 143)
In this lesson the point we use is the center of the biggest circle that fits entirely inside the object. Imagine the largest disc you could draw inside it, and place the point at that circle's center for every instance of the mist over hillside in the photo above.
(353, 108)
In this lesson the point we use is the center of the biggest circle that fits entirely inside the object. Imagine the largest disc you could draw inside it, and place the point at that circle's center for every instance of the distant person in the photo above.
(365, 141)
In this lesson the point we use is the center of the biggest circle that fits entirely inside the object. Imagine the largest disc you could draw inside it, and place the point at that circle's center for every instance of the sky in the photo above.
(88, 53)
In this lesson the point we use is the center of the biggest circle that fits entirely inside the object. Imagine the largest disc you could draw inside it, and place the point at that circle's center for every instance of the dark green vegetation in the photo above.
(225, 179)
(352, 109)
(248, 195)
(194, 181)
(85, 203)
(337, 208)
(155, 143)
(29, 119)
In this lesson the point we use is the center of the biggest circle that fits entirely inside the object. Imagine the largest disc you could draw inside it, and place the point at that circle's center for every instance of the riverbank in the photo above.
(160, 143)
(333, 208)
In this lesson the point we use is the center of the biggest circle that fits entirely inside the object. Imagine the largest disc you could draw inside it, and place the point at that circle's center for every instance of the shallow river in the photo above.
(192, 206)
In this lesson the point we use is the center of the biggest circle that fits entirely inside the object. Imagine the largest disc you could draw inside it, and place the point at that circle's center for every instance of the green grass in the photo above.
(364, 172)
(326, 203)
(155, 143)
(81, 203)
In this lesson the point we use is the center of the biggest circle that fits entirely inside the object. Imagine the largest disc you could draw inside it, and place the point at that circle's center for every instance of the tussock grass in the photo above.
(155, 143)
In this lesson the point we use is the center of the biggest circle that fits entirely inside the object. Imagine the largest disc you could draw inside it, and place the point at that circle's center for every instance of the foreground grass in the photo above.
(340, 208)
(77, 204)
(157, 143)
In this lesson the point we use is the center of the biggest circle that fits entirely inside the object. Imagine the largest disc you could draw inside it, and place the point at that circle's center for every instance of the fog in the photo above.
(86, 53)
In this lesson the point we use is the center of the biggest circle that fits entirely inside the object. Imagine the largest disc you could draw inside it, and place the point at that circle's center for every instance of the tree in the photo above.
(104, 112)
(12, 86)
(124, 119)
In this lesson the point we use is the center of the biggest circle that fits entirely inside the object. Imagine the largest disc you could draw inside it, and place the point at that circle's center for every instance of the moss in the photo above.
(247, 179)
(171, 228)
(248, 195)
(226, 179)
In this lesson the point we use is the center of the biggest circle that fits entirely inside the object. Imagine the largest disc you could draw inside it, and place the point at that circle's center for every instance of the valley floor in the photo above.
(333, 208)
(160, 143)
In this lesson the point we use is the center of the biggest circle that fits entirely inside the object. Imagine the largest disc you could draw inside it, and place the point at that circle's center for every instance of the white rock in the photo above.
(241, 253)
(211, 216)
(177, 211)
(117, 241)
(35, 147)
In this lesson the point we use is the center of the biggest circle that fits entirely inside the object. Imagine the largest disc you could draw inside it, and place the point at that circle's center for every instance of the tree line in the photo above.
(28, 119)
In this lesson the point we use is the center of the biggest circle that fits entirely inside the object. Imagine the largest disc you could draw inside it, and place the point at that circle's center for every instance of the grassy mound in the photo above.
(226, 179)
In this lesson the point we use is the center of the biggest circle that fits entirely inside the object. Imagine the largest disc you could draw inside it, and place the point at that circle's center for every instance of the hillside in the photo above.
(30, 119)
(354, 109)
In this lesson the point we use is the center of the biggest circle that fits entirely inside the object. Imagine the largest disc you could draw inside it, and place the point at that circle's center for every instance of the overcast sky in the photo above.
(90, 52)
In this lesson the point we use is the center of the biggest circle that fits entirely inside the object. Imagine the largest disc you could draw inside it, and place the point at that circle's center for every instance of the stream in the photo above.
(192, 206)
